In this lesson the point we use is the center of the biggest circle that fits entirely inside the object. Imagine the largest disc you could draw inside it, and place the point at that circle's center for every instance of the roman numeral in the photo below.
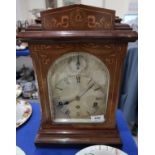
(58, 88)
(96, 89)
(78, 79)
(99, 98)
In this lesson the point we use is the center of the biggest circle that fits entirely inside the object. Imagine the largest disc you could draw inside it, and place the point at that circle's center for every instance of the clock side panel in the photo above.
(45, 118)
(112, 54)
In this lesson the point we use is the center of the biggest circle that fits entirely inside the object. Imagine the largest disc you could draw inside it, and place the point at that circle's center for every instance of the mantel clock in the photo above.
(78, 54)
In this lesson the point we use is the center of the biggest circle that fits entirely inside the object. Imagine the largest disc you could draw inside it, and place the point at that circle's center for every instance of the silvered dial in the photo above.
(78, 88)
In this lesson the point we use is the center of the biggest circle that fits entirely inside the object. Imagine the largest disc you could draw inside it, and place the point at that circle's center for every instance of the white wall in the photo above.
(59, 3)
(97, 3)
(121, 6)
(21, 10)
(36, 4)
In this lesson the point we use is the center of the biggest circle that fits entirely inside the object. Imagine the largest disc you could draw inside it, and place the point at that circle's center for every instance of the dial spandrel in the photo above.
(78, 85)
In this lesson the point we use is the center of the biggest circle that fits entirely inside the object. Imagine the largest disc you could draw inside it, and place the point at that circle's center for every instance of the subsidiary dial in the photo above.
(77, 63)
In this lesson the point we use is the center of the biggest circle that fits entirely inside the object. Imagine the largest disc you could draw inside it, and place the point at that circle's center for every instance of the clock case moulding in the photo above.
(96, 31)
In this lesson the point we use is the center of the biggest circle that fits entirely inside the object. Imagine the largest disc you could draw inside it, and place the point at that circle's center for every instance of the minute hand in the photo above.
(78, 96)
(83, 92)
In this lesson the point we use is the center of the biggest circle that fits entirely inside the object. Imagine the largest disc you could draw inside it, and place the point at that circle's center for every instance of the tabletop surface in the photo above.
(25, 137)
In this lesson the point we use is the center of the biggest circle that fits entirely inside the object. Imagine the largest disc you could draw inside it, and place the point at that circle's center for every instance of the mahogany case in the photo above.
(79, 28)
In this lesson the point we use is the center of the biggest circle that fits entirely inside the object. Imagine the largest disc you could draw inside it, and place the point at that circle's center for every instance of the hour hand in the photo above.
(66, 101)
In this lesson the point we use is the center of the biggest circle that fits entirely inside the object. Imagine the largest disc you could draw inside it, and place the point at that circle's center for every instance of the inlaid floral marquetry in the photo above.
(78, 17)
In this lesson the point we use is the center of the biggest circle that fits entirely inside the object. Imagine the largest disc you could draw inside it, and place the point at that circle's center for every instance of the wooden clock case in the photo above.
(79, 28)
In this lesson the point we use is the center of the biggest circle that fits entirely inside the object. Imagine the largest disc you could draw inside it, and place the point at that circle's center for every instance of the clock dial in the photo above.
(78, 86)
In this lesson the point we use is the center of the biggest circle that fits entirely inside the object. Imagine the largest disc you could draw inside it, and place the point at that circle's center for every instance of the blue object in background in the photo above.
(25, 137)
(24, 52)
(129, 91)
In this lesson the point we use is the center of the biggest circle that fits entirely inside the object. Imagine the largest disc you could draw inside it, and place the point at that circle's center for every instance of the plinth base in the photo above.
(47, 137)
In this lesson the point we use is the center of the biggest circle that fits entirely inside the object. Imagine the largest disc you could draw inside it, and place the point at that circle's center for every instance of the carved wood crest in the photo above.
(78, 17)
